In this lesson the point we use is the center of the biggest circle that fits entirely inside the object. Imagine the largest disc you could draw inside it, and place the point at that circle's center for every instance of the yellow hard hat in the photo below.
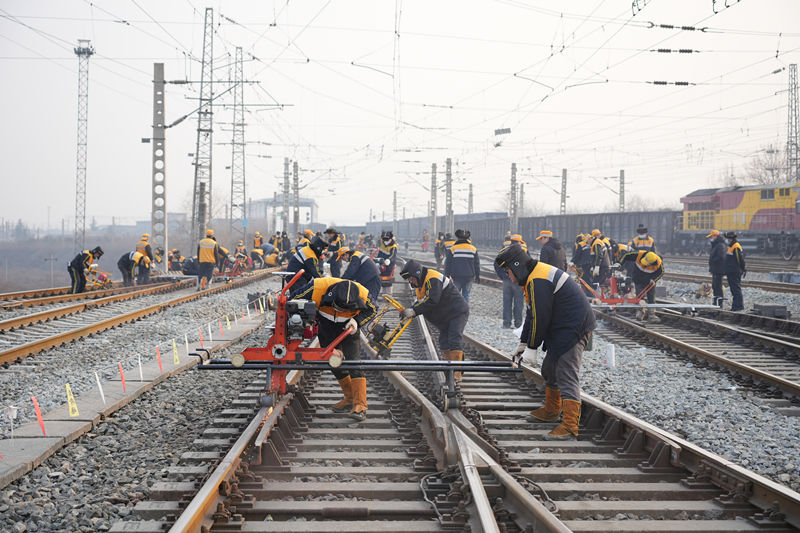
(308, 232)
(595, 232)
(145, 236)
(649, 258)
(209, 232)
(544, 234)
(241, 242)
(516, 237)
(343, 250)
(714, 233)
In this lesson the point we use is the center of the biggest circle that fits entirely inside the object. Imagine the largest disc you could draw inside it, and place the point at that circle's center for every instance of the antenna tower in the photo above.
(201, 205)
(84, 51)
(792, 140)
(238, 227)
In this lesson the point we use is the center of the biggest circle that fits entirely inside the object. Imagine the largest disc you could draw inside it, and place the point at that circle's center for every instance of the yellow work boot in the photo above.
(359, 388)
(568, 428)
(551, 409)
(345, 404)
(455, 355)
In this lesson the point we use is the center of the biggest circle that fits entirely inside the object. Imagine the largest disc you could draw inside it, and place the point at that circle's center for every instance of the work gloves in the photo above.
(408, 312)
(596, 271)
(353, 325)
(744, 274)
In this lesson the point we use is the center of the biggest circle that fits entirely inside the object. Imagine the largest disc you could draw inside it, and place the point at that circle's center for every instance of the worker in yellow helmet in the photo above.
(207, 255)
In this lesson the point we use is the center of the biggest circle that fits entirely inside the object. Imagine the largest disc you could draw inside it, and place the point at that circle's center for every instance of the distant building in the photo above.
(271, 210)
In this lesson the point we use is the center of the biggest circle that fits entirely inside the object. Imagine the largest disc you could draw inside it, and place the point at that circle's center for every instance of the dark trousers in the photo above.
(143, 276)
(336, 268)
(512, 303)
(78, 279)
(464, 286)
(327, 332)
(735, 284)
(587, 277)
(451, 331)
(125, 269)
(205, 270)
(716, 287)
(562, 372)
(640, 281)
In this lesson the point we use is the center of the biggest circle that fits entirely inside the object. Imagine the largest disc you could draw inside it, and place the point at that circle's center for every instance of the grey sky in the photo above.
(375, 92)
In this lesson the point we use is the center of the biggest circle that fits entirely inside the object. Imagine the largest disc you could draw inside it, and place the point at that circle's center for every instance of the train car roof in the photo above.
(702, 192)
(711, 192)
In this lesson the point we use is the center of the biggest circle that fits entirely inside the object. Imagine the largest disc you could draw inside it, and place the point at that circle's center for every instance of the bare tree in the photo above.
(766, 166)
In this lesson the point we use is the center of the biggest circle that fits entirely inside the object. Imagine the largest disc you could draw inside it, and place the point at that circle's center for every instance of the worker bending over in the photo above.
(341, 304)
(362, 269)
(438, 299)
(79, 265)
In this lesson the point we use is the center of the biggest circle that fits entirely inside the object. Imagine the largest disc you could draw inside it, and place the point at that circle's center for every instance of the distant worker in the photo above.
(275, 240)
(286, 243)
(361, 268)
(463, 264)
(307, 258)
(438, 250)
(559, 318)
(646, 268)
(207, 255)
(387, 255)
(223, 258)
(342, 304)
(439, 301)
(425, 238)
(79, 266)
(128, 264)
(258, 240)
(735, 270)
(334, 243)
(716, 264)
(599, 258)
(240, 249)
(513, 297)
(553, 252)
(176, 260)
(143, 247)
(642, 241)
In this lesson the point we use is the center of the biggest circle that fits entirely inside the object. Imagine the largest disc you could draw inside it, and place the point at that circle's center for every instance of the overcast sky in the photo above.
(372, 93)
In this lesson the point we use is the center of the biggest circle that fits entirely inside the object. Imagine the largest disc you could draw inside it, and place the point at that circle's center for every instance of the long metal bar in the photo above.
(472, 476)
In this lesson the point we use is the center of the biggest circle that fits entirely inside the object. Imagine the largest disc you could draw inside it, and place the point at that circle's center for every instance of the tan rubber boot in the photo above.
(456, 355)
(568, 428)
(551, 409)
(345, 404)
(359, 388)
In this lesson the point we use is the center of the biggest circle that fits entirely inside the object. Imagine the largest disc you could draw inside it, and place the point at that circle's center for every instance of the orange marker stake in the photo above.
(221, 333)
(201, 336)
(158, 356)
(38, 415)
(122, 376)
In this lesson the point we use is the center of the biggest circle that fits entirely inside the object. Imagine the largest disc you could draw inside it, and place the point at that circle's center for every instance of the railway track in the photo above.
(479, 466)
(27, 335)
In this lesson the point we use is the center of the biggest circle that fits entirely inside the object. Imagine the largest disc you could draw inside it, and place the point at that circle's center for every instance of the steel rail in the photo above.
(764, 493)
(25, 350)
(772, 286)
(59, 298)
(787, 387)
(59, 312)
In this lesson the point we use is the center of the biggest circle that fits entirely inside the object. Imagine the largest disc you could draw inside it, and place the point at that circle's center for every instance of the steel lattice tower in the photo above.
(84, 50)
(792, 140)
(201, 205)
(238, 213)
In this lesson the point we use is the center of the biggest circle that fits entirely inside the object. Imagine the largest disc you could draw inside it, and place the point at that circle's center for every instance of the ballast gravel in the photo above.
(98, 479)
(703, 406)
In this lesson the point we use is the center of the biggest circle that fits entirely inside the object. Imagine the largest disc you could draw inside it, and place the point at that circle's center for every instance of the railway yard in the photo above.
(692, 425)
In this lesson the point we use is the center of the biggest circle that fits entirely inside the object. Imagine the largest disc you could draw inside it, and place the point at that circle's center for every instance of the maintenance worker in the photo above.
(304, 238)
(516, 238)
(463, 263)
(79, 265)
(642, 241)
(552, 252)
(645, 268)
(438, 250)
(438, 299)
(275, 240)
(143, 247)
(425, 238)
(716, 264)
(207, 254)
(387, 255)
(257, 257)
(223, 259)
(128, 263)
(598, 254)
(176, 259)
(258, 240)
(334, 243)
(513, 298)
(286, 243)
(735, 270)
(240, 250)
(341, 304)
(560, 318)
(362, 269)
(307, 258)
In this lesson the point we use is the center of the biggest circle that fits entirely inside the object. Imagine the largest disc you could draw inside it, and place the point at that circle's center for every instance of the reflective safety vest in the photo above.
(135, 257)
(207, 252)
(647, 244)
(321, 286)
(141, 246)
(422, 292)
(646, 268)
